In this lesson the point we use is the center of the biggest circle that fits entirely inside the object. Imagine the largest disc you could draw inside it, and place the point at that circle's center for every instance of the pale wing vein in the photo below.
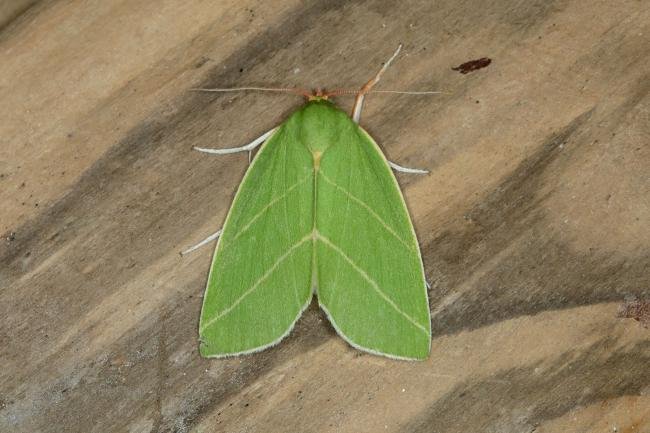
(257, 283)
(372, 282)
(374, 214)
(268, 206)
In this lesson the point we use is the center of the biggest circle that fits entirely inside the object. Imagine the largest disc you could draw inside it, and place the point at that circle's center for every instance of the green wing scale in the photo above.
(319, 211)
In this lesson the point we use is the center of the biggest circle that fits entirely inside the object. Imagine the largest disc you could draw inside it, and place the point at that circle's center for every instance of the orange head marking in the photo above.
(318, 94)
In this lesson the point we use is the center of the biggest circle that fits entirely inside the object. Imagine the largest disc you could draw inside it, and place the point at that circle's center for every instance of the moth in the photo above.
(318, 213)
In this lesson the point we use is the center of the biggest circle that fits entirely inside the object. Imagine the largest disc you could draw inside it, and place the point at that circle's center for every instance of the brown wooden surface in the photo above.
(533, 221)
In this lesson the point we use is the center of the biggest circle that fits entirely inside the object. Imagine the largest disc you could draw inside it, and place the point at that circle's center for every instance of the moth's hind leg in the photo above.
(207, 240)
(408, 170)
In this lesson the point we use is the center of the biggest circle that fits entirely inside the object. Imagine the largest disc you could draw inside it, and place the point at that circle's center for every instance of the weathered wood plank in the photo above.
(533, 221)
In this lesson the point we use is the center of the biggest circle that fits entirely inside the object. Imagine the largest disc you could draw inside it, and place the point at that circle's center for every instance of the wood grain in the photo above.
(532, 222)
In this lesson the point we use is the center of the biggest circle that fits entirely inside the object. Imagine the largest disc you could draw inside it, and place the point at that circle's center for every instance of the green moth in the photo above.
(319, 212)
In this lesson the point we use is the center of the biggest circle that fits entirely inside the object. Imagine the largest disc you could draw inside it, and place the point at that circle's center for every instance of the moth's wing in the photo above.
(260, 279)
(370, 276)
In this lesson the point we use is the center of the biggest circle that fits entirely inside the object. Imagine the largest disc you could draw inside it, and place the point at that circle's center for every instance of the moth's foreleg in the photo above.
(358, 102)
(247, 148)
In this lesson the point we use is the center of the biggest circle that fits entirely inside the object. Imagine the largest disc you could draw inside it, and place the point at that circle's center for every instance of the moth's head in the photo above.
(318, 94)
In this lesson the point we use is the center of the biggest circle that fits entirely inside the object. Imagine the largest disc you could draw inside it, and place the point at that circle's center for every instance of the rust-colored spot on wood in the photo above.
(637, 309)
(473, 65)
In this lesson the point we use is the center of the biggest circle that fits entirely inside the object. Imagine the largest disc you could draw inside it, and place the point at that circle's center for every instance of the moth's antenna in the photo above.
(359, 94)
(343, 92)
(408, 92)
(296, 91)
(367, 88)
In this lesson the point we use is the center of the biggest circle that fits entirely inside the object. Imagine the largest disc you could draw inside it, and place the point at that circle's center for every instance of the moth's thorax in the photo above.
(320, 124)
